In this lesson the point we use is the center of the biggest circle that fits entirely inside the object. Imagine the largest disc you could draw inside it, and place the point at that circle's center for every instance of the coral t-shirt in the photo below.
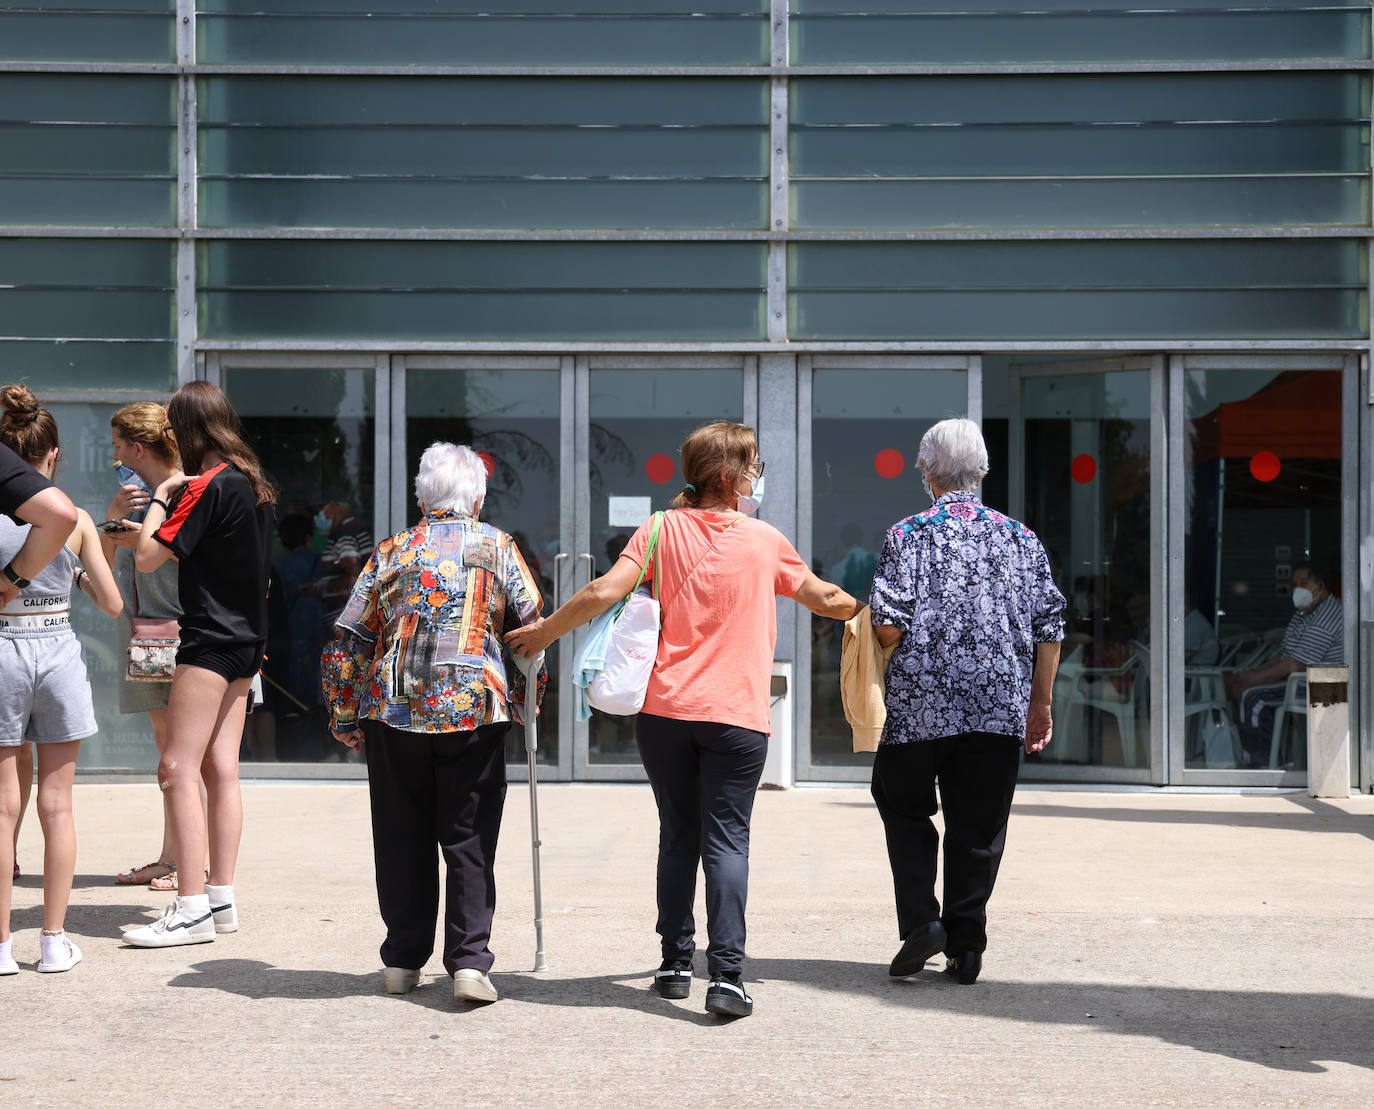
(718, 575)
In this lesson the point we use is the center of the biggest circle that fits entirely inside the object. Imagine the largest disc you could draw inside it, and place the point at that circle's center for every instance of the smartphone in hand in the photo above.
(113, 525)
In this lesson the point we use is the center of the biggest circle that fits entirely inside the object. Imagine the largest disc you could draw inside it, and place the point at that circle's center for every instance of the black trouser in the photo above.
(704, 777)
(977, 775)
(447, 789)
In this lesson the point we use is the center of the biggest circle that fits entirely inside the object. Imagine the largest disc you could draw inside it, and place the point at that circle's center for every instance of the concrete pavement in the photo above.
(1146, 948)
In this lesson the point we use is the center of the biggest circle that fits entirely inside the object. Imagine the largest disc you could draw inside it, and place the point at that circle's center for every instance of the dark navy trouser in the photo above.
(444, 790)
(704, 777)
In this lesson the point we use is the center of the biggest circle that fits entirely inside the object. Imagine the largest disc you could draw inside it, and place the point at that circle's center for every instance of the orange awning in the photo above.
(1297, 415)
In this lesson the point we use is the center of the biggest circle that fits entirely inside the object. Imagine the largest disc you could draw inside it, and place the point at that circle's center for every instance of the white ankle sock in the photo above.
(194, 905)
(6, 950)
(219, 895)
(52, 949)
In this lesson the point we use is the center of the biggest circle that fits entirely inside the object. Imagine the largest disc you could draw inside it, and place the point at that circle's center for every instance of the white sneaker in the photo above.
(399, 980)
(226, 917)
(173, 929)
(7, 963)
(67, 956)
(470, 984)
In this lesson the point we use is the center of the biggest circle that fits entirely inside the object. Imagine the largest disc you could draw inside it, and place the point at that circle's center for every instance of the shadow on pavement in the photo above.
(33, 880)
(1282, 1031)
(1309, 815)
(104, 921)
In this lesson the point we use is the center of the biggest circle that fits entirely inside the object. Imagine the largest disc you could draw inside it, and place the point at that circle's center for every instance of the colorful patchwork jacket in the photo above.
(419, 644)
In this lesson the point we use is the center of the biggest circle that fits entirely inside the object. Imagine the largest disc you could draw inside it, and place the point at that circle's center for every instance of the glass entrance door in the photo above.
(632, 414)
(1085, 440)
(1264, 568)
(579, 452)
(862, 422)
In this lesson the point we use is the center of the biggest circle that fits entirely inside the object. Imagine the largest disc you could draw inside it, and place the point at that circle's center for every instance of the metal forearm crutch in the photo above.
(530, 667)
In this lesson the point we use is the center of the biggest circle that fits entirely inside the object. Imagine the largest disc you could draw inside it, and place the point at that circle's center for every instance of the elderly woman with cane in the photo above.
(966, 596)
(417, 678)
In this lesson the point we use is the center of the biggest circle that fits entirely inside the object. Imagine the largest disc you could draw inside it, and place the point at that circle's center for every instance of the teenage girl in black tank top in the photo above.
(219, 525)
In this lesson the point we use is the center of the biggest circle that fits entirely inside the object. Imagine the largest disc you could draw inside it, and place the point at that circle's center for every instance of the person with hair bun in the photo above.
(144, 456)
(703, 731)
(45, 697)
(216, 517)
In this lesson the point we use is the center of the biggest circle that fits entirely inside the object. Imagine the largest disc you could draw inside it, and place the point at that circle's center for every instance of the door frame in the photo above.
(1156, 771)
(210, 366)
(582, 566)
(562, 769)
(1352, 523)
(806, 364)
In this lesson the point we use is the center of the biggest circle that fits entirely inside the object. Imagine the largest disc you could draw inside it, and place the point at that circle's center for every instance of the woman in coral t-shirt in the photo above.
(703, 731)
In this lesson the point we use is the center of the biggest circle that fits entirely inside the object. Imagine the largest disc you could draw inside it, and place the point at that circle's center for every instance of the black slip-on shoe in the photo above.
(727, 998)
(920, 945)
(965, 966)
(673, 980)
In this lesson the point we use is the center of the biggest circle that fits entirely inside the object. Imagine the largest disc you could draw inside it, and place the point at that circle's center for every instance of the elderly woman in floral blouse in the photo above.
(966, 596)
(418, 679)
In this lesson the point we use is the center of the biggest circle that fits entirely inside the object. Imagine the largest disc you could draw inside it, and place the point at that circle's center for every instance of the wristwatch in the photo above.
(15, 579)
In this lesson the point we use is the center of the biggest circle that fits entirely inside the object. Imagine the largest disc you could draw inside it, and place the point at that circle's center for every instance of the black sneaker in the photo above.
(726, 997)
(673, 980)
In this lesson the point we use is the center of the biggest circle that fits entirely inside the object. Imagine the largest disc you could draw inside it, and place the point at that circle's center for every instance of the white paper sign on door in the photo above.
(628, 512)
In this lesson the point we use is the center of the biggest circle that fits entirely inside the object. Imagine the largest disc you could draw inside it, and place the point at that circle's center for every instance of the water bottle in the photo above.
(127, 476)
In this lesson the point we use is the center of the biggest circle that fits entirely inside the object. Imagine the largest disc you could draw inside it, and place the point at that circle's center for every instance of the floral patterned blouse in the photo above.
(972, 593)
(419, 643)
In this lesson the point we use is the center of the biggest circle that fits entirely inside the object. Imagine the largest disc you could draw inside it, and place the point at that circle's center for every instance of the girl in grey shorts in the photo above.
(45, 697)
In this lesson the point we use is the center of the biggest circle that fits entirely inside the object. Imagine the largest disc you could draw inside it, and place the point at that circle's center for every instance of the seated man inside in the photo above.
(1315, 637)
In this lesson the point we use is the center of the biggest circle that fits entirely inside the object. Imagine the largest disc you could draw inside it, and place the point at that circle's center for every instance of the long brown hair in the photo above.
(707, 452)
(203, 421)
(145, 422)
(26, 427)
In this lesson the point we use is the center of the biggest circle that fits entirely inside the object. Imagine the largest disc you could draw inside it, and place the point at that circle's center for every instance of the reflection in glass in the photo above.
(511, 417)
(1087, 467)
(416, 152)
(84, 473)
(476, 32)
(830, 32)
(866, 428)
(494, 290)
(1079, 150)
(314, 432)
(1171, 289)
(1262, 473)
(638, 421)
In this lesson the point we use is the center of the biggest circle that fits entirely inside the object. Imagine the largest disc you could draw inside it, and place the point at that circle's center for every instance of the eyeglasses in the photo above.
(755, 468)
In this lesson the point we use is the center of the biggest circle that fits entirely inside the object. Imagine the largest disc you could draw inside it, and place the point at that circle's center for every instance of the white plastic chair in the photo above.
(1070, 742)
(1294, 701)
(1123, 711)
(1204, 701)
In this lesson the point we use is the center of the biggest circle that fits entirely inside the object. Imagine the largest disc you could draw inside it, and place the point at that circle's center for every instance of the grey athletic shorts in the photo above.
(45, 696)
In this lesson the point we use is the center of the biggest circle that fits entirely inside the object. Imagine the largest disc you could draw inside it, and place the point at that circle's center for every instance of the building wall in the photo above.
(875, 176)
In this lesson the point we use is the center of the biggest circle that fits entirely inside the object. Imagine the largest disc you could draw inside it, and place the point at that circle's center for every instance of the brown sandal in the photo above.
(140, 876)
(168, 882)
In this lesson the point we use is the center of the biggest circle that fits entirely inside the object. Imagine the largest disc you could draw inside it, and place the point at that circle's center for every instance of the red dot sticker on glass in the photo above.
(659, 469)
(488, 462)
(1083, 468)
(1264, 466)
(889, 463)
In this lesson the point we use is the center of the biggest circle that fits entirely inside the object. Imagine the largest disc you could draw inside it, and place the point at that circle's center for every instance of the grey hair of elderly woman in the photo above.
(954, 454)
(451, 478)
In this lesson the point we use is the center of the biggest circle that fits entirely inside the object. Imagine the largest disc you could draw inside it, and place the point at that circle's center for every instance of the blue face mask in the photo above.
(126, 476)
(749, 502)
(323, 523)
